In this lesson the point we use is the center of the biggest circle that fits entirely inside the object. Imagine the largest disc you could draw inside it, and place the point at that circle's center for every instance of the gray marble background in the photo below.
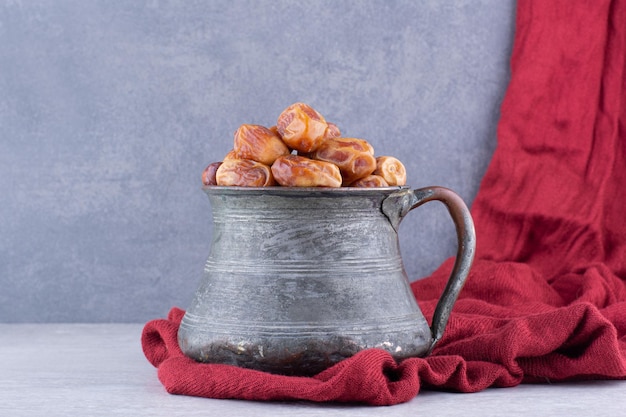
(110, 110)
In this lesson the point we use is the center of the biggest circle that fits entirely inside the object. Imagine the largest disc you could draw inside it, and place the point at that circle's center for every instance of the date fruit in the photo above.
(230, 155)
(354, 157)
(299, 171)
(391, 169)
(301, 127)
(208, 175)
(244, 173)
(258, 143)
(371, 181)
(332, 131)
(302, 149)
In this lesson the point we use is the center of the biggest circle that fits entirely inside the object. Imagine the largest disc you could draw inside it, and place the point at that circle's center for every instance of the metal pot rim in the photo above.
(280, 190)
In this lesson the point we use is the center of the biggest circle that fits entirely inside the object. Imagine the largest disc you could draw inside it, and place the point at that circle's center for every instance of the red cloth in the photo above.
(546, 298)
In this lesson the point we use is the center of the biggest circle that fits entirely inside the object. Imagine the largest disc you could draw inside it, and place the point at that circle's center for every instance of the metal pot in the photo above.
(298, 279)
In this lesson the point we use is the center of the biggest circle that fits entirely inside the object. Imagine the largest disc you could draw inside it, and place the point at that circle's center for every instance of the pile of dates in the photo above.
(302, 150)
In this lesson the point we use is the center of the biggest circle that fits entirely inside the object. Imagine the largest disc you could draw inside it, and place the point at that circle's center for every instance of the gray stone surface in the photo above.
(60, 370)
(109, 111)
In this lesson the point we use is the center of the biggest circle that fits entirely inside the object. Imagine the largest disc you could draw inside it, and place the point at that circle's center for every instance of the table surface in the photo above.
(99, 370)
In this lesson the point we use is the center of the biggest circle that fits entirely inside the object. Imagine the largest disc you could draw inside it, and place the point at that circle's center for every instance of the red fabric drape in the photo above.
(546, 298)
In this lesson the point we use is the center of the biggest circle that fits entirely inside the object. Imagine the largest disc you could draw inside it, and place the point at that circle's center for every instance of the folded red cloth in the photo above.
(546, 298)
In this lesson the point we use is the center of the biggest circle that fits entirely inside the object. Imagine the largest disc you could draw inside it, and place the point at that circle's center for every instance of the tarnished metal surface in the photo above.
(298, 279)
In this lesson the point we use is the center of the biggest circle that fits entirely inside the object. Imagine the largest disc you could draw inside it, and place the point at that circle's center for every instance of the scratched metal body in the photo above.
(300, 279)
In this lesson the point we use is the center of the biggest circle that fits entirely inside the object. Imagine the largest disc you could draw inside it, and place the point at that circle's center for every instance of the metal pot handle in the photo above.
(405, 201)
